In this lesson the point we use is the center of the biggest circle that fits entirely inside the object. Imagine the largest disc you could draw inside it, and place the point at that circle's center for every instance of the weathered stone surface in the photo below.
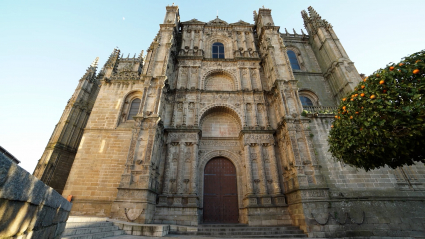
(29, 208)
(156, 122)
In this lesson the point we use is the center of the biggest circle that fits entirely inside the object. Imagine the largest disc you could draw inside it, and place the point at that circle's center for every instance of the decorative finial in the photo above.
(173, 4)
(263, 6)
(94, 63)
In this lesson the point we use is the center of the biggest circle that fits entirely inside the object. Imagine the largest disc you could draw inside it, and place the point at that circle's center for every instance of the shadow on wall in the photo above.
(28, 206)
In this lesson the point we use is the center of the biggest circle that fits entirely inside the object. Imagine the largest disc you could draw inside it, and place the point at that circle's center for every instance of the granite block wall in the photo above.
(378, 203)
(28, 207)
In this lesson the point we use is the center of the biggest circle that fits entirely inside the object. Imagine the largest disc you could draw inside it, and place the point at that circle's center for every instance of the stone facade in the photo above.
(158, 119)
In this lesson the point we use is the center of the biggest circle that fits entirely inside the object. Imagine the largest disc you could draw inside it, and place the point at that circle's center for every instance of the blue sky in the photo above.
(48, 45)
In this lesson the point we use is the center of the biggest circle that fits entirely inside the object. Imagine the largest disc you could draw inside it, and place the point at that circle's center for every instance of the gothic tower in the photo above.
(211, 127)
(56, 162)
(335, 64)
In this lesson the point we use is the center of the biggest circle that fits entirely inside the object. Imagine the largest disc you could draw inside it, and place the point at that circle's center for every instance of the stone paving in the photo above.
(178, 236)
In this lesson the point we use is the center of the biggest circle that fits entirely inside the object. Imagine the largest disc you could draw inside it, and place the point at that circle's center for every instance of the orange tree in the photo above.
(382, 121)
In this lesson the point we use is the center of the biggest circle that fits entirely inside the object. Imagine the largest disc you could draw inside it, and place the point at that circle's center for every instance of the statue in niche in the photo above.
(248, 107)
(180, 106)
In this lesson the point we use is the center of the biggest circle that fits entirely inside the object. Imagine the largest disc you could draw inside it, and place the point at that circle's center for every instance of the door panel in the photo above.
(220, 192)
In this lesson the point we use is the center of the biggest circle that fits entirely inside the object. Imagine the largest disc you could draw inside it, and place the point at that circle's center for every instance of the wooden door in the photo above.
(220, 192)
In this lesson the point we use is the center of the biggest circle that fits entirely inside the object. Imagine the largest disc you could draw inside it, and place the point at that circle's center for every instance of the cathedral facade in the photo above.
(209, 127)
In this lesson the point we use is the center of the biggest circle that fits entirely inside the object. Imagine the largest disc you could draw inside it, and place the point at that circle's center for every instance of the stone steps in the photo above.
(95, 235)
(240, 230)
(90, 228)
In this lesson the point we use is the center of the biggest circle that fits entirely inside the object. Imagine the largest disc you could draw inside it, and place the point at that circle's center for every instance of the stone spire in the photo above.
(94, 63)
(312, 21)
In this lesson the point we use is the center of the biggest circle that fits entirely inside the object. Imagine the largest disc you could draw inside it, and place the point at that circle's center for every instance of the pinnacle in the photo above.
(94, 63)
(313, 13)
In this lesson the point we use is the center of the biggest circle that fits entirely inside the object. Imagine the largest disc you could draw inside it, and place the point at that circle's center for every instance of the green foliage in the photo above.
(385, 126)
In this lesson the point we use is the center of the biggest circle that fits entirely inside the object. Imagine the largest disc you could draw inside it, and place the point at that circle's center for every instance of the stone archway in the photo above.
(220, 204)
(234, 158)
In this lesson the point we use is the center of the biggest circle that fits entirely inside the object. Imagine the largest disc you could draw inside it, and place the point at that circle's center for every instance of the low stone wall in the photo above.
(28, 207)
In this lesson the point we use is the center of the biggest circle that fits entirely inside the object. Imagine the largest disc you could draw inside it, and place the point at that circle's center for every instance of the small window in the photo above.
(293, 60)
(306, 101)
(218, 50)
(134, 108)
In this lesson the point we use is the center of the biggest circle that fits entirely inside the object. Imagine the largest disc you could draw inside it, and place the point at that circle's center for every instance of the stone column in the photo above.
(238, 39)
(246, 115)
(194, 174)
(188, 161)
(248, 40)
(261, 171)
(142, 105)
(158, 98)
(191, 39)
(180, 169)
(266, 115)
(245, 41)
(248, 167)
(173, 116)
(273, 168)
(255, 114)
(251, 37)
(168, 160)
(184, 112)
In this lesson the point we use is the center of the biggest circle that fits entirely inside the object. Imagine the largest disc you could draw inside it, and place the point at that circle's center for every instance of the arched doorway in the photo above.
(220, 192)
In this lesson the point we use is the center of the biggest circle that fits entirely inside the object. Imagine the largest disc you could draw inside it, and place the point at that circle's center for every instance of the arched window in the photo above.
(218, 50)
(134, 108)
(293, 59)
(306, 101)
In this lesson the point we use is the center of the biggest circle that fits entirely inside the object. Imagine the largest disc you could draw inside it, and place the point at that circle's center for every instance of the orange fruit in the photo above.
(339, 117)
(363, 86)
(400, 64)
(377, 75)
(417, 61)
(416, 71)
(357, 112)
(336, 117)
(344, 107)
(352, 99)
(362, 94)
(391, 68)
(385, 91)
(344, 99)
(351, 117)
(365, 79)
(381, 82)
(356, 95)
(332, 126)
(362, 107)
(361, 129)
(372, 96)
